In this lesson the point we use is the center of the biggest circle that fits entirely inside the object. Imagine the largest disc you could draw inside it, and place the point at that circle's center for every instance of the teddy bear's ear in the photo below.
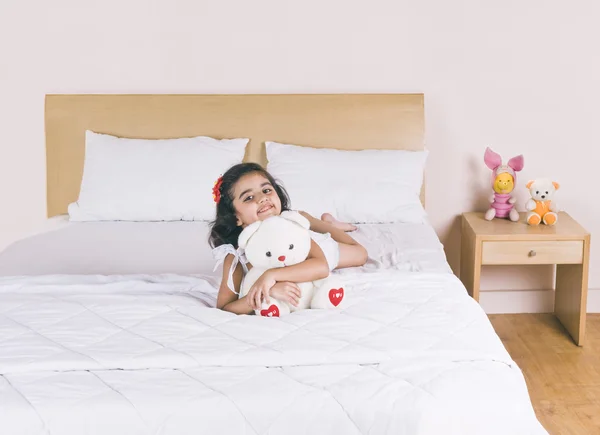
(556, 185)
(529, 183)
(296, 217)
(247, 233)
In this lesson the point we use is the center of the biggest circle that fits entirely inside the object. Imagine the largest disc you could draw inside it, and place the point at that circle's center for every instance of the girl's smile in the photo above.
(265, 209)
(254, 199)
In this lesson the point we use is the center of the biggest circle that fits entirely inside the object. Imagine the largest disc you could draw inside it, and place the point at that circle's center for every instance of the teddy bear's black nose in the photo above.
(543, 196)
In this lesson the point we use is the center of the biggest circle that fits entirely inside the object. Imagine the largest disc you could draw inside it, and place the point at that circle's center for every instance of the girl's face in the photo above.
(254, 199)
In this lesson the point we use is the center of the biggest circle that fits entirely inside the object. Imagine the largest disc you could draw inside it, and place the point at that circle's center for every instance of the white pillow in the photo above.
(152, 179)
(368, 186)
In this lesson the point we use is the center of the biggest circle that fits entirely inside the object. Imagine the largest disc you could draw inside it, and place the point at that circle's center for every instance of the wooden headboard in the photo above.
(342, 121)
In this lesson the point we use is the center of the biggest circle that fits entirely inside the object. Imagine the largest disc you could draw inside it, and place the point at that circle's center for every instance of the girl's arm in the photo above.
(314, 267)
(227, 300)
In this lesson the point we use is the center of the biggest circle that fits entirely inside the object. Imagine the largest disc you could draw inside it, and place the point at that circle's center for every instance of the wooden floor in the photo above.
(563, 379)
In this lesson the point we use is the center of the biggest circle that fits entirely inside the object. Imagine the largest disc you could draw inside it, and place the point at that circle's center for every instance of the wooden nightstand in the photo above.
(501, 241)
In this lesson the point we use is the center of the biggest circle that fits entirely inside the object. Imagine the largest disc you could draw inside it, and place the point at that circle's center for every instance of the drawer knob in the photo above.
(532, 253)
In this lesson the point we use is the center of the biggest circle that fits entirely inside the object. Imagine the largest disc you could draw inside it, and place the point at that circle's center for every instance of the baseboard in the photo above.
(528, 301)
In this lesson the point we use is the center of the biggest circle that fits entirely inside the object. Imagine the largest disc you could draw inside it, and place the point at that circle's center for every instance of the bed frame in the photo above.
(342, 121)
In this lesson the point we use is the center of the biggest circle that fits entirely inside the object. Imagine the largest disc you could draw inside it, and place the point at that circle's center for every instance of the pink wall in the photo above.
(521, 77)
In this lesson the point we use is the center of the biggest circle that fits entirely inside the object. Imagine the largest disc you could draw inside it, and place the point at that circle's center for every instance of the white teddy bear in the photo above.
(281, 241)
(541, 206)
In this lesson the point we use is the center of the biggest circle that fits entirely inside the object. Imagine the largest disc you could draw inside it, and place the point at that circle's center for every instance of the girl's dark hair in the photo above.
(224, 229)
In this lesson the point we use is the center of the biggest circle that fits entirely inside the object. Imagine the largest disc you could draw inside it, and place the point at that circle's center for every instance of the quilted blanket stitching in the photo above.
(93, 373)
(46, 429)
(222, 394)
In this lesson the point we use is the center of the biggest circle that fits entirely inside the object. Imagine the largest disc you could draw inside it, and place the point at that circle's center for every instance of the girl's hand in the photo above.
(287, 292)
(260, 290)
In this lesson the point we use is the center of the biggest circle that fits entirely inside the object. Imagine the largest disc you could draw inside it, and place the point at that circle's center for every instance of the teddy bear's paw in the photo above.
(550, 218)
(273, 309)
(336, 296)
(533, 219)
(530, 204)
(490, 214)
(330, 294)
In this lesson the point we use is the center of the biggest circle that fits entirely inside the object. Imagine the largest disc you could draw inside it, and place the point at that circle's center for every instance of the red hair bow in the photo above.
(216, 191)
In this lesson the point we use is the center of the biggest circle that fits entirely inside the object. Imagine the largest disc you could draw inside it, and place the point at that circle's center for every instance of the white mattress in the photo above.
(88, 345)
(108, 248)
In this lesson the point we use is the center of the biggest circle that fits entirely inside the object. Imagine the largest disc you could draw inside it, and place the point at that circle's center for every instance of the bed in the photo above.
(124, 339)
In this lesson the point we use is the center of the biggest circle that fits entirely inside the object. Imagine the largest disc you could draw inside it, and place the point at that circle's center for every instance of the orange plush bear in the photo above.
(540, 206)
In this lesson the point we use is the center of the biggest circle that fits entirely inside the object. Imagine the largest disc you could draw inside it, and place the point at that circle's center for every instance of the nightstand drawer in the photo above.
(519, 252)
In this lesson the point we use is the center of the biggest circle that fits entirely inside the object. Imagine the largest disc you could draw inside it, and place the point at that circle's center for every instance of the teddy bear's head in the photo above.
(277, 241)
(542, 189)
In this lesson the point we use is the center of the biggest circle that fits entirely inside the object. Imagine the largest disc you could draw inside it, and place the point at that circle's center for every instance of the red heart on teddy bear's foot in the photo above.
(272, 311)
(336, 295)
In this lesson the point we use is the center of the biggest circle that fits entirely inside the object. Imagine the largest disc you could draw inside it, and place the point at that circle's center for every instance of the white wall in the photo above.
(520, 76)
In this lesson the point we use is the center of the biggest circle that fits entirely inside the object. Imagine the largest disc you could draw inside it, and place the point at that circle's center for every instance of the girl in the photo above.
(247, 193)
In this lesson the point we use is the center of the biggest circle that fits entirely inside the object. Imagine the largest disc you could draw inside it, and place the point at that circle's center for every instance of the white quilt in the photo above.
(412, 353)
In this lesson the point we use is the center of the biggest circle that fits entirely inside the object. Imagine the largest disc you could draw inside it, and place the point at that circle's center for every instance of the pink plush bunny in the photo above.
(504, 178)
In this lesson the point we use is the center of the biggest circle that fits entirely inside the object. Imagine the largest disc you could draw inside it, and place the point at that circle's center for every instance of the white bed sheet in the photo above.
(402, 246)
(411, 353)
(63, 247)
